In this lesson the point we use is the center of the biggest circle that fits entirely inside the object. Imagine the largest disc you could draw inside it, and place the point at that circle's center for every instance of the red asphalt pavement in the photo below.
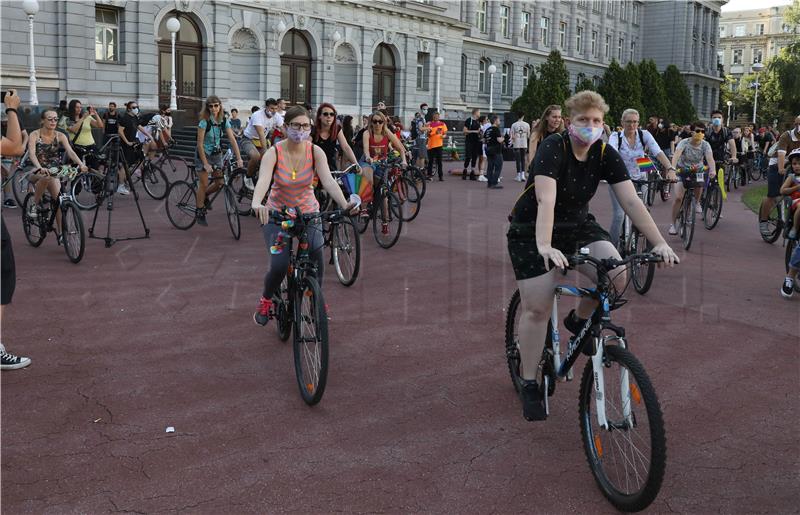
(419, 413)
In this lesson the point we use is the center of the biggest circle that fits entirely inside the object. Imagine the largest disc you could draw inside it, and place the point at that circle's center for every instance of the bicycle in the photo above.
(181, 198)
(73, 234)
(341, 235)
(17, 177)
(734, 175)
(384, 209)
(780, 218)
(613, 430)
(657, 184)
(687, 212)
(633, 242)
(759, 168)
(711, 202)
(405, 190)
(298, 306)
(150, 174)
(172, 166)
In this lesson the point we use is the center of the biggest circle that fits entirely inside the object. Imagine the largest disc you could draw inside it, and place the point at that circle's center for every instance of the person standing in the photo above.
(472, 144)
(436, 130)
(129, 129)
(236, 124)
(420, 139)
(111, 120)
(493, 137)
(520, 133)
(79, 128)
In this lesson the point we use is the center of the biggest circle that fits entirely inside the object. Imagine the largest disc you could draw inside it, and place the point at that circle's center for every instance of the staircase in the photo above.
(185, 142)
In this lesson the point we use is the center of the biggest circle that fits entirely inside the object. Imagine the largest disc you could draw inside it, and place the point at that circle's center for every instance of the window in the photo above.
(720, 57)
(504, 20)
(463, 72)
(608, 46)
(594, 43)
(597, 6)
(562, 35)
(635, 13)
(582, 4)
(480, 19)
(544, 27)
(526, 75)
(106, 34)
(612, 8)
(737, 56)
(738, 31)
(619, 49)
(722, 31)
(596, 81)
(423, 70)
(526, 26)
(760, 29)
(507, 77)
(758, 55)
(623, 10)
(633, 51)
(579, 39)
(483, 67)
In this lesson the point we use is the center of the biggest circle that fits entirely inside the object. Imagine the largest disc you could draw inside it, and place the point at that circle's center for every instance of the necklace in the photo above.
(293, 163)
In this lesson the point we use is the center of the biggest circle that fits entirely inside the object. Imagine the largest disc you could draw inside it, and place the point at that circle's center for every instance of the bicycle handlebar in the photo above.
(608, 264)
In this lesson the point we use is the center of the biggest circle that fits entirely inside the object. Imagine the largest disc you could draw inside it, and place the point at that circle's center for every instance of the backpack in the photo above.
(146, 118)
(641, 140)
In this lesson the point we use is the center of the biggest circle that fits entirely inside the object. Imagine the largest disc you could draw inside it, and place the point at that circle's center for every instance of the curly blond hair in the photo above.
(585, 100)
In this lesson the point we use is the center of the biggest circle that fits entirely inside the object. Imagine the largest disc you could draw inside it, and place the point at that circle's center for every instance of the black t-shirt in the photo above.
(576, 181)
(663, 137)
(111, 121)
(473, 125)
(719, 142)
(129, 124)
(684, 134)
(738, 143)
(493, 147)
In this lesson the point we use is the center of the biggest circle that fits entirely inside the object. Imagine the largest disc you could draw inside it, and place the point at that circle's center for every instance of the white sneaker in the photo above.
(33, 211)
(248, 183)
(122, 190)
(483, 178)
(698, 209)
(672, 230)
(787, 290)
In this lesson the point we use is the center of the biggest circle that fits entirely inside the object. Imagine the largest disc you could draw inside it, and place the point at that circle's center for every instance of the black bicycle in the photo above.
(386, 213)
(633, 241)
(711, 202)
(182, 198)
(621, 422)
(341, 235)
(298, 307)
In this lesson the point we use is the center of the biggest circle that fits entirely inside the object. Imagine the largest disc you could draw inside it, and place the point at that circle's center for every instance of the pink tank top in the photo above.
(293, 188)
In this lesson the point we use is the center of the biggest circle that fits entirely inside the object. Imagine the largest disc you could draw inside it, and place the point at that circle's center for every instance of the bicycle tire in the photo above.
(712, 207)
(85, 189)
(666, 188)
(641, 274)
(282, 305)
(409, 208)
(155, 182)
(394, 223)
(35, 230)
(73, 234)
(513, 358)
(418, 177)
(652, 185)
(181, 205)
(602, 457)
(362, 219)
(19, 185)
(232, 212)
(755, 172)
(242, 196)
(790, 246)
(688, 215)
(175, 168)
(346, 249)
(776, 226)
(310, 344)
(735, 177)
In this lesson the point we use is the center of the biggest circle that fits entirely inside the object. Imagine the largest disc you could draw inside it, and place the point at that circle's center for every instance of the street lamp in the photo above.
(31, 7)
(492, 70)
(438, 62)
(173, 26)
(729, 103)
(757, 67)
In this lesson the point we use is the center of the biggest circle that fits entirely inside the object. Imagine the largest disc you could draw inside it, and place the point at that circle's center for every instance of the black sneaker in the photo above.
(9, 361)
(464, 176)
(9, 203)
(532, 401)
(201, 217)
(472, 176)
(787, 290)
(574, 325)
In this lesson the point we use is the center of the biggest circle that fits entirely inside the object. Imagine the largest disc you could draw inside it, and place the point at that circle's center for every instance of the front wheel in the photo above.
(774, 223)
(155, 182)
(310, 341)
(346, 251)
(641, 273)
(628, 457)
(242, 195)
(687, 217)
(232, 212)
(35, 229)
(72, 232)
(181, 205)
(790, 246)
(387, 224)
(712, 207)
(86, 187)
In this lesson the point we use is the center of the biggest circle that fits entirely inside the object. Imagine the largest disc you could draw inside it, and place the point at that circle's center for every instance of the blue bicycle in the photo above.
(620, 417)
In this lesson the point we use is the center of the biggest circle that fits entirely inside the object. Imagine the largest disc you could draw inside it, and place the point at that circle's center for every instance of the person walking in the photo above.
(472, 144)
(493, 137)
(436, 130)
(520, 133)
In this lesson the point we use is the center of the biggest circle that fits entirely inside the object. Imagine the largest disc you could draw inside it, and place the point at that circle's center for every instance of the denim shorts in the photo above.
(794, 261)
(215, 160)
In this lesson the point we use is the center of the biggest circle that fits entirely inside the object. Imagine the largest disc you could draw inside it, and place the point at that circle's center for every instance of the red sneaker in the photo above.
(261, 316)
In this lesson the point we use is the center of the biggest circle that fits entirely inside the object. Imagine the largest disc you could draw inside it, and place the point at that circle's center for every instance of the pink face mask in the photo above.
(585, 135)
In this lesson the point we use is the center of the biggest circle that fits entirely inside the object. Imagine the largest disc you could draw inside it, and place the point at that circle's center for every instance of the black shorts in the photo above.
(525, 258)
(774, 182)
(8, 280)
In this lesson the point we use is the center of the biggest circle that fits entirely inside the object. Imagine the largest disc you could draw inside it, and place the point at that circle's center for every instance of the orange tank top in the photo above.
(293, 188)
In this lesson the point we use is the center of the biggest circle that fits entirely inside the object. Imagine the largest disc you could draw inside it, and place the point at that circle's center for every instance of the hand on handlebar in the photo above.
(83, 167)
(666, 253)
(549, 254)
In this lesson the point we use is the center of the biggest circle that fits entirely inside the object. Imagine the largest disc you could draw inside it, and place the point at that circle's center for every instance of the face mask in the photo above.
(698, 136)
(585, 135)
(660, 125)
(135, 110)
(424, 111)
(298, 135)
(716, 122)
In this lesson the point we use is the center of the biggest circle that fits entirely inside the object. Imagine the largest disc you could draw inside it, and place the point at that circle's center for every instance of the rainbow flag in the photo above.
(645, 164)
(358, 184)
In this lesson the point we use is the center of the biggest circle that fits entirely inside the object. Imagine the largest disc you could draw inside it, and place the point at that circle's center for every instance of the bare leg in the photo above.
(536, 295)
(676, 206)
(202, 177)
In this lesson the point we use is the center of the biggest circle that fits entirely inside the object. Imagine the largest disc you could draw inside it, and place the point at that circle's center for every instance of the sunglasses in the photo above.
(213, 105)
(377, 122)
(328, 114)
(702, 131)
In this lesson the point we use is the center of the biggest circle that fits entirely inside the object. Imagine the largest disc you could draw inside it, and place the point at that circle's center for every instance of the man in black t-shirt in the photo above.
(472, 144)
(493, 137)
(111, 120)
(721, 140)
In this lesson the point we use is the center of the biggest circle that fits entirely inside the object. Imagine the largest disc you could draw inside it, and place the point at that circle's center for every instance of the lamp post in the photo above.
(438, 62)
(173, 26)
(729, 103)
(31, 7)
(492, 70)
(757, 67)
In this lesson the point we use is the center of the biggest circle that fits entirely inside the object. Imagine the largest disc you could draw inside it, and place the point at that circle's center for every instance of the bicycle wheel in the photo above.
(712, 207)
(282, 305)
(310, 341)
(181, 205)
(155, 182)
(755, 171)
(666, 189)
(418, 177)
(361, 221)
(652, 185)
(512, 348)
(386, 224)
(346, 251)
(641, 273)
(85, 189)
(628, 458)
(243, 197)
(35, 228)
(72, 232)
(408, 195)
(175, 168)
(688, 213)
(790, 246)
(232, 212)
(19, 185)
(735, 177)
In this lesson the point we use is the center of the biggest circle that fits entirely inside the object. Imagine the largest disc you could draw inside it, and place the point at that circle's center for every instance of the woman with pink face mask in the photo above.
(551, 221)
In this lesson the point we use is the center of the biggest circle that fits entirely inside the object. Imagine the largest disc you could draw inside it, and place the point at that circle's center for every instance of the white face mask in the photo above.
(135, 110)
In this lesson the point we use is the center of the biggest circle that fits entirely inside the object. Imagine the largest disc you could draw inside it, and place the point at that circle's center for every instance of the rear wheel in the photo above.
(652, 185)
(346, 251)
(232, 212)
(641, 273)
(417, 176)
(386, 224)
(666, 189)
(361, 220)
(310, 341)
(19, 185)
(628, 457)
(712, 207)
(790, 246)
(513, 313)
(155, 182)
(283, 310)
(242, 196)
(687, 217)
(175, 168)
(181, 205)
(85, 189)
(72, 232)
(35, 228)
(775, 225)
(409, 198)
(755, 171)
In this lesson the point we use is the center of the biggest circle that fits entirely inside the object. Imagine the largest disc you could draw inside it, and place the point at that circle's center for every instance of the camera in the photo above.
(216, 151)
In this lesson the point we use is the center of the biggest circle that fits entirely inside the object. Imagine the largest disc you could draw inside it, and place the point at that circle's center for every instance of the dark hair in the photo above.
(423, 105)
(716, 111)
(482, 118)
(318, 123)
(697, 124)
(254, 109)
(493, 119)
(71, 108)
(234, 110)
(163, 107)
(279, 99)
(294, 112)
(520, 116)
(270, 102)
(129, 102)
(112, 104)
(476, 110)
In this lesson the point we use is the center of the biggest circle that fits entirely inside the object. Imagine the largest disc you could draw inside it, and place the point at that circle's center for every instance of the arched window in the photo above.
(383, 77)
(295, 68)
(526, 75)
(463, 72)
(507, 78)
(483, 75)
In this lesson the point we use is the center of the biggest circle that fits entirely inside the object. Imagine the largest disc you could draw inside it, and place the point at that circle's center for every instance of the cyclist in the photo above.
(130, 130)
(160, 126)
(327, 133)
(377, 139)
(293, 164)
(551, 122)
(791, 187)
(632, 143)
(44, 147)
(257, 136)
(721, 140)
(688, 157)
(79, 127)
(788, 141)
(208, 156)
(551, 219)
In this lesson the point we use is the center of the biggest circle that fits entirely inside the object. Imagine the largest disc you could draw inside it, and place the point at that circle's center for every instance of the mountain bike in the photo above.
(632, 242)
(621, 422)
(298, 306)
(759, 168)
(657, 184)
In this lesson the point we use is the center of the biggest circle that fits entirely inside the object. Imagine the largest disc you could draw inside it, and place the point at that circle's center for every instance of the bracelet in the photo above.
(12, 109)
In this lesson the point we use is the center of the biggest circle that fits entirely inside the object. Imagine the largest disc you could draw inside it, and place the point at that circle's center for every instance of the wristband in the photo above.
(12, 109)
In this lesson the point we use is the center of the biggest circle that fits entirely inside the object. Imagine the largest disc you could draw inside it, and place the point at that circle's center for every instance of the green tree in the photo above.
(784, 71)
(529, 102)
(554, 79)
(679, 101)
(613, 89)
(654, 98)
(583, 84)
(632, 90)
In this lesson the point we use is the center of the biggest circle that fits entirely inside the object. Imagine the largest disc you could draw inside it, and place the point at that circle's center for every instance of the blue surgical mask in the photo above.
(716, 122)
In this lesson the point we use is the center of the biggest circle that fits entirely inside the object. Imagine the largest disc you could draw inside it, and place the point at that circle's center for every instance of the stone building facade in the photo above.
(349, 52)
